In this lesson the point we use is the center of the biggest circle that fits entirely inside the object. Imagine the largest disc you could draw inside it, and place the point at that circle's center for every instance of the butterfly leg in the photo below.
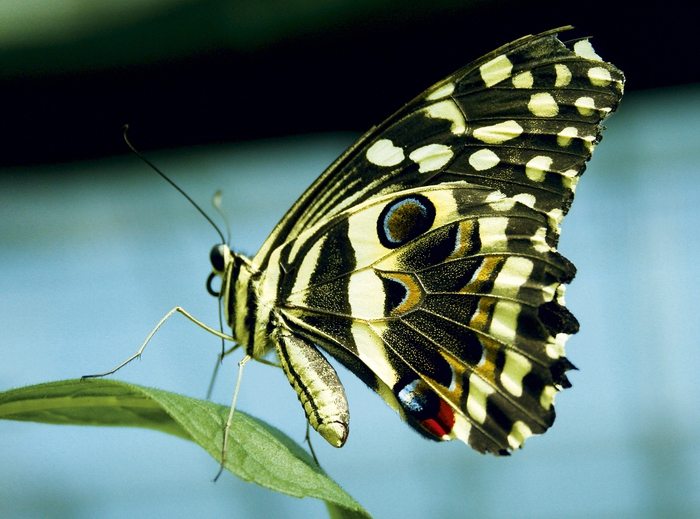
(150, 335)
(229, 420)
(317, 385)
(219, 360)
(307, 439)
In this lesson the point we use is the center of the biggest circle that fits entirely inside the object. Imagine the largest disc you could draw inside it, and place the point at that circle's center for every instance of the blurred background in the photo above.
(256, 98)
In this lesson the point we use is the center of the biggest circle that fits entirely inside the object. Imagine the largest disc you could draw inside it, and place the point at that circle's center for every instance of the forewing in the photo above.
(523, 119)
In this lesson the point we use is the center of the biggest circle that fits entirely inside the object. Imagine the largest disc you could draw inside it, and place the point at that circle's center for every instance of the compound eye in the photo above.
(216, 256)
(209, 288)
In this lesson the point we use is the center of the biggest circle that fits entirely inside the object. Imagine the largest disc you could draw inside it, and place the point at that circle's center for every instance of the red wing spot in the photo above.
(442, 424)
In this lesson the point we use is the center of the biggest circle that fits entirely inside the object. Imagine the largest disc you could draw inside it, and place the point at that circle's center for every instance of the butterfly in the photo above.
(424, 258)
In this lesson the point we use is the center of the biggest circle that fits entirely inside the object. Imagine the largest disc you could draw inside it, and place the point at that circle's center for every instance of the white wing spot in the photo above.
(518, 434)
(565, 136)
(496, 70)
(461, 428)
(585, 106)
(585, 50)
(560, 299)
(431, 157)
(515, 368)
(549, 291)
(526, 199)
(557, 216)
(539, 240)
(563, 75)
(570, 179)
(494, 196)
(384, 153)
(504, 323)
(441, 91)
(449, 110)
(599, 76)
(556, 346)
(547, 397)
(492, 233)
(523, 80)
(589, 141)
(479, 390)
(554, 350)
(514, 273)
(483, 160)
(536, 167)
(499, 133)
(543, 105)
(503, 205)
(559, 343)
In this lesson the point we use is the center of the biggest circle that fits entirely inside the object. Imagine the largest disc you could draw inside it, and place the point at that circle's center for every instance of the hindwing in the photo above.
(446, 300)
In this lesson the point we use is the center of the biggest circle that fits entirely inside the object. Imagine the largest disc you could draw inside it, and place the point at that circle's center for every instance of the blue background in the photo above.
(93, 254)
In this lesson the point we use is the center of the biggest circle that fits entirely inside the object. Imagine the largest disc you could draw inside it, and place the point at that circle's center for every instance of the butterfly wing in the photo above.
(446, 300)
(524, 119)
(424, 258)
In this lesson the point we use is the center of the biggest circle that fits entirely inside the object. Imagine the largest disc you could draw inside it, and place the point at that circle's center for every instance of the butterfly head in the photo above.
(225, 265)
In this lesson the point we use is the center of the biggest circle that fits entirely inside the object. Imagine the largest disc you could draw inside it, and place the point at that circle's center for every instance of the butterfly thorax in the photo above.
(239, 281)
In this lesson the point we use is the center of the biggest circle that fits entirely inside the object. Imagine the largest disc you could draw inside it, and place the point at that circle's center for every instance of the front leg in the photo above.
(150, 335)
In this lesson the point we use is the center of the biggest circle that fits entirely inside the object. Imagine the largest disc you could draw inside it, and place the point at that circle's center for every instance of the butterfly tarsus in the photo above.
(307, 439)
(150, 335)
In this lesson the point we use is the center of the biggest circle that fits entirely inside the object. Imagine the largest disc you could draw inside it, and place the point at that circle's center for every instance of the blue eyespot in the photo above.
(404, 219)
(417, 399)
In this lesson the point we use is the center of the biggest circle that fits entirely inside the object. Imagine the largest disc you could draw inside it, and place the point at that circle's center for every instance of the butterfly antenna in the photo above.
(216, 202)
(154, 168)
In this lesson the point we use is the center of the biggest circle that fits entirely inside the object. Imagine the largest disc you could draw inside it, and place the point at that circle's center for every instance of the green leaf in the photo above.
(256, 451)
